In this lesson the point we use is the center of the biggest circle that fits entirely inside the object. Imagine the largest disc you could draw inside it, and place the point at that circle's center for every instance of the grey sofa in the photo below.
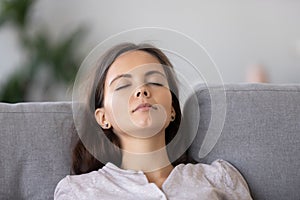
(261, 137)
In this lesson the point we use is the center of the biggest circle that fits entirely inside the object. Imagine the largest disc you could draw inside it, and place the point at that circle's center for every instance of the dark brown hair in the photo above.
(83, 160)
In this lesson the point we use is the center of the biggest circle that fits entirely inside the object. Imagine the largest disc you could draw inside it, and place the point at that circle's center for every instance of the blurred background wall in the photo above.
(239, 35)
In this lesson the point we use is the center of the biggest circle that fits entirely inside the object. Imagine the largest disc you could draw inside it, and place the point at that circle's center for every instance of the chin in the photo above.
(144, 130)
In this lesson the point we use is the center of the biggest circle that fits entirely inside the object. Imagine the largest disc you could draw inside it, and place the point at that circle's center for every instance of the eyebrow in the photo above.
(130, 76)
(154, 72)
(120, 76)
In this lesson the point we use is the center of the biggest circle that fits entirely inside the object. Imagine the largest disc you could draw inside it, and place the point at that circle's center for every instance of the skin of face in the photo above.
(137, 100)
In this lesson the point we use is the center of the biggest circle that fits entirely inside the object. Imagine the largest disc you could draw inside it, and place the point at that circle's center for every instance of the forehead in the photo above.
(130, 61)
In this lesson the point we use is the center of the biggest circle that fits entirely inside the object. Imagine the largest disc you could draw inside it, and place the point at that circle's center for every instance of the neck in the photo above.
(146, 162)
(148, 155)
(155, 165)
(145, 154)
(159, 176)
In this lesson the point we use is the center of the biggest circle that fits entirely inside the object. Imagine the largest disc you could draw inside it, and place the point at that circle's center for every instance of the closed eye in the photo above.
(123, 86)
(156, 84)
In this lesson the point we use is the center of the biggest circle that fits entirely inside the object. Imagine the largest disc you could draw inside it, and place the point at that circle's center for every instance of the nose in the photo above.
(142, 92)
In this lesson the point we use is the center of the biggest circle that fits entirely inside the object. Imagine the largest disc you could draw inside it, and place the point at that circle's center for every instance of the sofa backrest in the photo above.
(35, 140)
(261, 137)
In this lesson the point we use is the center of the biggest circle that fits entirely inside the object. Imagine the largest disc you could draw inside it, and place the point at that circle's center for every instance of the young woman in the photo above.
(135, 104)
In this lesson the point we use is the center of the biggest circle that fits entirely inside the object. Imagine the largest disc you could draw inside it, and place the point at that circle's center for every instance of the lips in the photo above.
(144, 106)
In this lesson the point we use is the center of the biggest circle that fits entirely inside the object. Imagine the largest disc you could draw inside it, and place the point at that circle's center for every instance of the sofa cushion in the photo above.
(261, 136)
(35, 141)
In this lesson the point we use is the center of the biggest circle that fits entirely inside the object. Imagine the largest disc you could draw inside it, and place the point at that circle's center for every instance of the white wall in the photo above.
(235, 33)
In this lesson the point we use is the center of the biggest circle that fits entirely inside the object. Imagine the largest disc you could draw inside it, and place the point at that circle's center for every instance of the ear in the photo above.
(101, 119)
(173, 114)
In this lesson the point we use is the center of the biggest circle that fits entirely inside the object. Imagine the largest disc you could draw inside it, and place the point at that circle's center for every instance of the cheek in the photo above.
(165, 99)
(109, 105)
(116, 107)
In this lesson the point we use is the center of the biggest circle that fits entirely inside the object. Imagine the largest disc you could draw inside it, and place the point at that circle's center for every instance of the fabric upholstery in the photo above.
(34, 149)
(261, 137)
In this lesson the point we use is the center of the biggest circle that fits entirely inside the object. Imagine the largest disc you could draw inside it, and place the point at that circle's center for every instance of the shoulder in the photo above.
(216, 167)
(79, 179)
(219, 173)
(69, 185)
(230, 176)
(220, 180)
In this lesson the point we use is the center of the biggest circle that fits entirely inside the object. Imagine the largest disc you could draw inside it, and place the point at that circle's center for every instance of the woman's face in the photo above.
(137, 99)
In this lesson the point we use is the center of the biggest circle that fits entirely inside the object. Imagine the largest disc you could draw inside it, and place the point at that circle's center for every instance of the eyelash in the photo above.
(156, 84)
(150, 83)
(124, 86)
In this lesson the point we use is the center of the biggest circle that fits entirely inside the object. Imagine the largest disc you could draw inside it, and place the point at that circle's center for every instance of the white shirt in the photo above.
(220, 180)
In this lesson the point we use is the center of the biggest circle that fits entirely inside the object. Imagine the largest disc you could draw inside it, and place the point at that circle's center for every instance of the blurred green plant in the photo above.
(60, 59)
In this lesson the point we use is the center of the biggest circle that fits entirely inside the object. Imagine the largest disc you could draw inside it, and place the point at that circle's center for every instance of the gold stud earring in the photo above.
(107, 125)
(172, 118)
